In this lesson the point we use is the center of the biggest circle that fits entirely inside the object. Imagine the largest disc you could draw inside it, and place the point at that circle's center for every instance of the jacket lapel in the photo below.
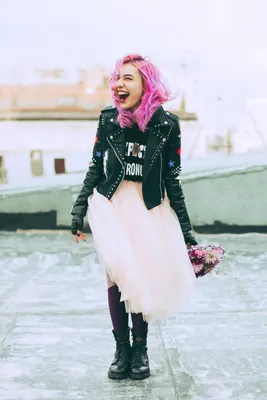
(116, 136)
(159, 129)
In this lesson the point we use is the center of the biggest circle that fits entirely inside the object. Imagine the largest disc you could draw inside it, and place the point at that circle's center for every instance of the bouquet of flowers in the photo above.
(204, 258)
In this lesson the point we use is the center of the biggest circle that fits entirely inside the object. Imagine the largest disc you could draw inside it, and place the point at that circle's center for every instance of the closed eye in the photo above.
(128, 76)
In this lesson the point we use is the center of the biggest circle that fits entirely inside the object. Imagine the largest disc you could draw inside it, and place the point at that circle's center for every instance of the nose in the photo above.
(119, 83)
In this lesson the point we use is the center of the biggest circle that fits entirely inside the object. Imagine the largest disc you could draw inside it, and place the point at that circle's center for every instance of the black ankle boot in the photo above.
(139, 368)
(119, 368)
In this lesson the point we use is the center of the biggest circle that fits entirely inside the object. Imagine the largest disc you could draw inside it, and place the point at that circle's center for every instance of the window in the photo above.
(59, 165)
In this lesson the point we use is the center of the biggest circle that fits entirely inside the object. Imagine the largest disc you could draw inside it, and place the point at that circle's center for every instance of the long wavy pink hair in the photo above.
(155, 92)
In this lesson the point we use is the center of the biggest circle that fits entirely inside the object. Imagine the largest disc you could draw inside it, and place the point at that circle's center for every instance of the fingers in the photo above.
(80, 235)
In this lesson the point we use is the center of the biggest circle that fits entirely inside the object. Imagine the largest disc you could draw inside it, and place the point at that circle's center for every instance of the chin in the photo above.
(130, 107)
(125, 107)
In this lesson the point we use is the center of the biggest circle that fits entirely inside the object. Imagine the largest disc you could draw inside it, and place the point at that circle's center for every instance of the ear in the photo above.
(143, 84)
(144, 88)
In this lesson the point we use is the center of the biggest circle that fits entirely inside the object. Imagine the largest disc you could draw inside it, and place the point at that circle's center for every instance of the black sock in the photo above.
(140, 327)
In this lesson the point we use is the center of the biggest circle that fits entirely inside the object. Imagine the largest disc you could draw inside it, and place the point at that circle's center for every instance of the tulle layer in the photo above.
(143, 251)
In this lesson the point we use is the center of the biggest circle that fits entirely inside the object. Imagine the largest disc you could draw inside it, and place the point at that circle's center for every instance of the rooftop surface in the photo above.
(55, 330)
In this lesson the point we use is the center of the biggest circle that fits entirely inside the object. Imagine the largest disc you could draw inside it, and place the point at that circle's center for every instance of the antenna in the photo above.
(259, 132)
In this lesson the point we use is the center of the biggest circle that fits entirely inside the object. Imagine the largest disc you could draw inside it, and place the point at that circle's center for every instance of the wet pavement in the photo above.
(55, 331)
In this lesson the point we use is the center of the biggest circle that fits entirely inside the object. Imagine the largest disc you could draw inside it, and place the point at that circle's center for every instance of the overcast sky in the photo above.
(222, 41)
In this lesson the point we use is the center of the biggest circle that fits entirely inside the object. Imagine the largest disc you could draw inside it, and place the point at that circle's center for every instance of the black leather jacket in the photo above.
(162, 164)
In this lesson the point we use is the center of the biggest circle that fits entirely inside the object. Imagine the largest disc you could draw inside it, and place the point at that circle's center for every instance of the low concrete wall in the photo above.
(227, 201)
(228, 198)
(33, 201)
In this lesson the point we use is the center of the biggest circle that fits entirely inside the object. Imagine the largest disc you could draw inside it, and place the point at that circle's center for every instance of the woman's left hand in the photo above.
(190, 239)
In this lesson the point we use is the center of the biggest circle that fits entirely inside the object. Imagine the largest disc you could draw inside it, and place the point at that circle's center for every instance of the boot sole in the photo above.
(139, 377)
(117, 376)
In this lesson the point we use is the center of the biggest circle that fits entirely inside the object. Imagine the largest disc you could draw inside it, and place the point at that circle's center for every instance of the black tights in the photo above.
(119, 317)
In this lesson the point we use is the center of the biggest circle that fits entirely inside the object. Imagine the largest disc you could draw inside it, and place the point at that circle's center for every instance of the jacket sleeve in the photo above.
(172, 181)
(93, 175)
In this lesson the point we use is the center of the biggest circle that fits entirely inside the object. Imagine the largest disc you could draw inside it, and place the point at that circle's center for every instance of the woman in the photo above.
(137, 211)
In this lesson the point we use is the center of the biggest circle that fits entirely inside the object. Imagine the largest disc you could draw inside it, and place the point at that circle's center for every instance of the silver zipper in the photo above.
(160, 175)
(121, 164)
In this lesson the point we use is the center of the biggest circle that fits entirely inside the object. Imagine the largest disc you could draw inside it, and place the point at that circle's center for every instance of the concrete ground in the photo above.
(55, 331)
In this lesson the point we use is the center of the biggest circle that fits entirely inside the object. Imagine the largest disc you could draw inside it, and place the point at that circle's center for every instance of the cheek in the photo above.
(138, 92)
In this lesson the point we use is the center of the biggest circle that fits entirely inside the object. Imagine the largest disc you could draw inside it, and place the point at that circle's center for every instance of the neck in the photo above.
(134, 108)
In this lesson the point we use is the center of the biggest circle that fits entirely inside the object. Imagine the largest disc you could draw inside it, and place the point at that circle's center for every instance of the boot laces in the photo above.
(121, 350)
(138, 350)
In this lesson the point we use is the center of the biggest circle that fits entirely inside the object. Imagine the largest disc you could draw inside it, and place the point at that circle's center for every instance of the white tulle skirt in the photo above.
(143, 251)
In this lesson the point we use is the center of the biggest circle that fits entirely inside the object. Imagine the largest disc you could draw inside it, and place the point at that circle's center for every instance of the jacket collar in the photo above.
(159, 118)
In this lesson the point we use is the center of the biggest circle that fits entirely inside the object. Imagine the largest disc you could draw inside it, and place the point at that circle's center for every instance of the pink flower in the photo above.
(219, 252)
(200, 253)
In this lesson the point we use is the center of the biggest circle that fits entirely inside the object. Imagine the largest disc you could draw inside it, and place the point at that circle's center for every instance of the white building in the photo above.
(42, 149)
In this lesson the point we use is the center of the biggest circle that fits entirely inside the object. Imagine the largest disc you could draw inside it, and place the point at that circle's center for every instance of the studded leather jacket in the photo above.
(161, 170)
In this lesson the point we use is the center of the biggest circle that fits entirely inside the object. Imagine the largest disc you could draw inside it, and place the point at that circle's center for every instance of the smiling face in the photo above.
(129, 87)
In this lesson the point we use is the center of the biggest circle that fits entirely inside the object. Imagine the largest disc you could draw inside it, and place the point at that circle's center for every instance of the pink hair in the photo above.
(155, 93)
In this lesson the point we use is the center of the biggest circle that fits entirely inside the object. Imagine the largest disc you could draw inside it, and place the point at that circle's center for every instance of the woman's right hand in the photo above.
(76, 228)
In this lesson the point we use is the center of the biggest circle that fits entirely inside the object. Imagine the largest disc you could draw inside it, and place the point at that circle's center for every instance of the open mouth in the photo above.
(122, 96)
